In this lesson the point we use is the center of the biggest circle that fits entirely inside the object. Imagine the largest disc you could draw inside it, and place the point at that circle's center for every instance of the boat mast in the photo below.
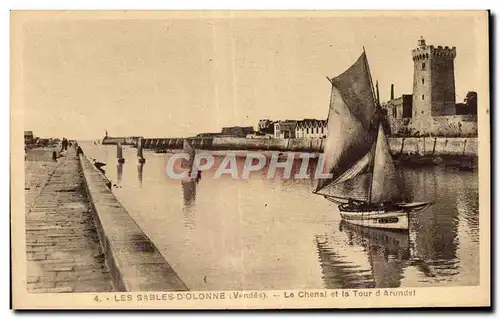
(377, 105)
(378, 123)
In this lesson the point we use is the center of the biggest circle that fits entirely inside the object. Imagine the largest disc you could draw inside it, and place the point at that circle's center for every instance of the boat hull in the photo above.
(414, 207)
(393, 240)
(381, 219)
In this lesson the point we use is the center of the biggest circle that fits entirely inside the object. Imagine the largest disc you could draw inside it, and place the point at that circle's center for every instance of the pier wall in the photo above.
(442, 126)
(434, 146)
(228, 143)
(134, 262)
(129, 140)
(113, 140)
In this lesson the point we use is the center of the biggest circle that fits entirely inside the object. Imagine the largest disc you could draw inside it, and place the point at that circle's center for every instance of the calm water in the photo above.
(230, 234)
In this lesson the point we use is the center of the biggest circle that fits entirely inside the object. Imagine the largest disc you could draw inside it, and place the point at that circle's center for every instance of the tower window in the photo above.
(423, 81)
(423, 65)
(422, 96)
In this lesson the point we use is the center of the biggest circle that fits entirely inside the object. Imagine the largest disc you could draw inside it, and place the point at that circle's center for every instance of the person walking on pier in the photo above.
(64, 144)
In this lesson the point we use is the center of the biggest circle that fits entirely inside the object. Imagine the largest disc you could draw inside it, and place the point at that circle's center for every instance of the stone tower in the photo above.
(433, 83)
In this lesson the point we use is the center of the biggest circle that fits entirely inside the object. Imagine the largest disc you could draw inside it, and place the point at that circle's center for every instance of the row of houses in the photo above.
(306, 128)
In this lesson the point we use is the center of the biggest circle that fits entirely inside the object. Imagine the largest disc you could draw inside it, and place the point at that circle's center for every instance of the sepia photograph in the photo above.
(250, 159)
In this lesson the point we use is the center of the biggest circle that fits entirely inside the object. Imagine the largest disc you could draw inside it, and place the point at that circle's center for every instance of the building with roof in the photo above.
(311, 128)
(285, 129)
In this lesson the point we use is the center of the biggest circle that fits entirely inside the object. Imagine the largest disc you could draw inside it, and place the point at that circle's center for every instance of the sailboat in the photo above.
(356, 149)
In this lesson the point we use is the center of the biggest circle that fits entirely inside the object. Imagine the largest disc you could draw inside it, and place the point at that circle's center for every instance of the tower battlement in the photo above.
(430, 51)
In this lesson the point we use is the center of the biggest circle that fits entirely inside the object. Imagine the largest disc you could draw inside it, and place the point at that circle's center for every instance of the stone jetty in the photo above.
(62, 246)
(79, 238)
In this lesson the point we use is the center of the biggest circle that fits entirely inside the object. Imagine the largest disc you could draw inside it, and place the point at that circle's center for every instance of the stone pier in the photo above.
(62, 245)
(418, 146)
(135, 263)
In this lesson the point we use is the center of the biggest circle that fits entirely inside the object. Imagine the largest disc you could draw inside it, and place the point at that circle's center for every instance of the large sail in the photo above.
(355, 188)
(351, 132)
(385, 185)
(363, 166)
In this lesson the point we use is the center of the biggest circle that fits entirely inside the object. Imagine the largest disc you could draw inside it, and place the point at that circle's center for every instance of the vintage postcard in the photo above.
(250, 159)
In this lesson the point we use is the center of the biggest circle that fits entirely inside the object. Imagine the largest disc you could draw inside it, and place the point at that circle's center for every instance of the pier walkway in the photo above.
(62, 245)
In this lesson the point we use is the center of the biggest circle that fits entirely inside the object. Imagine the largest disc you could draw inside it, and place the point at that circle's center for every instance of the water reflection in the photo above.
(189, 197)
(119, 172)
(435, 230)
(140, 168)
(338, 271)
(374, 258)
(436, 239)
(388, 253)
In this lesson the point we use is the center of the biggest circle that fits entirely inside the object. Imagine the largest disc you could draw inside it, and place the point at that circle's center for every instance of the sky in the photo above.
(175, 76)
